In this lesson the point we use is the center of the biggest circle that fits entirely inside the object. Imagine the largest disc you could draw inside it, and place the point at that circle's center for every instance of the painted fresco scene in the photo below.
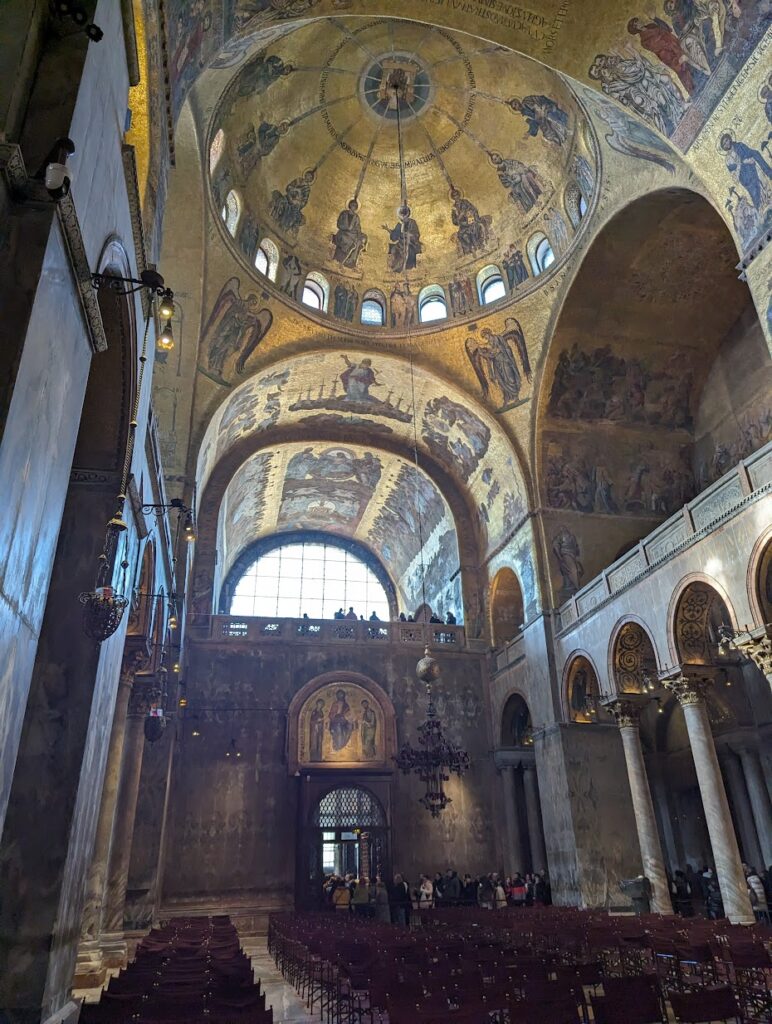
(341, 723)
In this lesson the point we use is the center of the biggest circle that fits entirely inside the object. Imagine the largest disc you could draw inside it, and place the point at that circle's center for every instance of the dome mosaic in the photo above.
(386, 157)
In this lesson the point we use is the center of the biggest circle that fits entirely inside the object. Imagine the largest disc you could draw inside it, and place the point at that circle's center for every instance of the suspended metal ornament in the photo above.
(436, 758)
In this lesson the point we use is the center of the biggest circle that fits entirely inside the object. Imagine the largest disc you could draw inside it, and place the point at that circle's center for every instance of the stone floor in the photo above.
(288, 1007)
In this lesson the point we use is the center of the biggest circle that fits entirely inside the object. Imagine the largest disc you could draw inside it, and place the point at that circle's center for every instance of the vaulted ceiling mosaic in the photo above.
(371, 496)
(380, 151)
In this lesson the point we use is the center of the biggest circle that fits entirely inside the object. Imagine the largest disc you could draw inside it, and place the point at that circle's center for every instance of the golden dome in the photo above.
(495, 149)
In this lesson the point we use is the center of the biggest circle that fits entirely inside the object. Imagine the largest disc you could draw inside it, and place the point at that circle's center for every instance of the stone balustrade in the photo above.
(222, 628)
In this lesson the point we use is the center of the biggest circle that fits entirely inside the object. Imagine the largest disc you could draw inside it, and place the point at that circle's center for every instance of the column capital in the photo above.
(627, 708)
(688, 683)
(757, 648)
(145, 692)
(135, 659)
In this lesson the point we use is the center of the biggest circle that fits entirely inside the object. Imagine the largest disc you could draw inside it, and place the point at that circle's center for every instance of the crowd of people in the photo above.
(395, 901)
(698, 891)
(450, 619)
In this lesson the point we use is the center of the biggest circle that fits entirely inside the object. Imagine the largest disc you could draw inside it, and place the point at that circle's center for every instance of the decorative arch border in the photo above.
(565, 697)
(490, 593)
(619, 625)
(378, 694)
(515, 691)
(758, 553)
(672, 610)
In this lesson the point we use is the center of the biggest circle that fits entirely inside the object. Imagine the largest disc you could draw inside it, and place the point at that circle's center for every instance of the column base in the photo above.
(89, 969)
(114, 950)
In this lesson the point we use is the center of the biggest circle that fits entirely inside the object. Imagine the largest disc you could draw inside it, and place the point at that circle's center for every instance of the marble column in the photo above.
(112, 934)
(689, 692)
(741, 806)
(627, 713)
(533, 811)
(89, 971)
(759, 799)
(513, 859)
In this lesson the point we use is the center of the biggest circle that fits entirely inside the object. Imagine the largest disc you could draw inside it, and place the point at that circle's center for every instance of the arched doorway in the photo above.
(347, 833)
(506, 606)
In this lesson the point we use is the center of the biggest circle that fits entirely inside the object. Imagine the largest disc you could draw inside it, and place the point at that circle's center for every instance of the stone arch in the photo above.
(307, 693)
(142, 608)
(506, 609)
(581, 688)
(699, 605)
(759, 579)
(626, 418)
(516, 723)
(632, 656)
(370, 811)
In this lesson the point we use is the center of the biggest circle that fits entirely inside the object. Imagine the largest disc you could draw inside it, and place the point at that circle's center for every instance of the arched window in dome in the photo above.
(267, 259)
(216, 150)
(373, 312)
(575, 203)
(316, 291)
(231, 212)
(540, 253)
(432, 304)
(490, 285)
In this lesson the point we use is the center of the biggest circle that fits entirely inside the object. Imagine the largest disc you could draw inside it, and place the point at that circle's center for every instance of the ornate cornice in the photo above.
(26, 189)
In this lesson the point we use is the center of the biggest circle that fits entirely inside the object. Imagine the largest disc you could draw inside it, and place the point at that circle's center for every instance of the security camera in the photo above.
(57, 176)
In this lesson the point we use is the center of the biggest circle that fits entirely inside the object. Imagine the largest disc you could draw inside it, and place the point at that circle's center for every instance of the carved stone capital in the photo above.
(144, 694)
(626, 708)
(758, 649)
(135, 659)
(687, 689)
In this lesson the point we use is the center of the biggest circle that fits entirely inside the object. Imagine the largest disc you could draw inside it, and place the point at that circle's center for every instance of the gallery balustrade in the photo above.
(338, 631)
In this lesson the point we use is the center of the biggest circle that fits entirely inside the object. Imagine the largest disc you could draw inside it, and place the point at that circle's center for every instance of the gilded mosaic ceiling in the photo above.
(371, 496)
(314, 125)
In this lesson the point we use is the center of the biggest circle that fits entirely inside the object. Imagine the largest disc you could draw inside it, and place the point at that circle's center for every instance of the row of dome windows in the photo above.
(432, 300)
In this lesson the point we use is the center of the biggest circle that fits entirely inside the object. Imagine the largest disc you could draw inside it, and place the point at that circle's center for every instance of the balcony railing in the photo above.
(219, 628)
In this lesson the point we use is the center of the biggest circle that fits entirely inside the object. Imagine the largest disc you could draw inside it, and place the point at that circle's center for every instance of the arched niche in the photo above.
(355, 732)
(700, 611)
(760, 580)
(143, 602)
(633, 661)
(516, 725)
(581, 690)
(507, 611)
(653, 383)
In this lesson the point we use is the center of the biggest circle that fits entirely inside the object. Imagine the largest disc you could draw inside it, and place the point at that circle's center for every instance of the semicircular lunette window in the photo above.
(312, 579)
(349, 808)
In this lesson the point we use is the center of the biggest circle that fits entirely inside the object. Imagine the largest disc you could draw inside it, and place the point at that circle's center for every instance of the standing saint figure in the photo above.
(565, 548)
(557, 230)
(235, 326)
(494, 363)
(658, 38)
(404, 242)
(349, 241)
(340, 725)
(748, 167)
(522, 183)
(287, 207)
(316, 731)
(542, 114)
(636, 83)
(473, 230)
(368, 731)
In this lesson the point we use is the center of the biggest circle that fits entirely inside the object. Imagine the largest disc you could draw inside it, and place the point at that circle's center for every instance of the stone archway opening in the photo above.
(506, 606)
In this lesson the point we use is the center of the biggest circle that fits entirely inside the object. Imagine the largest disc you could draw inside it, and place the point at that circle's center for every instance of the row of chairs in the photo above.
(552, 965)
(191, 970)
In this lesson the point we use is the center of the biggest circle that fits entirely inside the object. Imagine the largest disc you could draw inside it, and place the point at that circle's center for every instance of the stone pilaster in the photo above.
(689, 690)
(759, 799)
(533, 810)
(740, 806)
(89, 971)
(143, 694)
(513, 852)
(627, 712)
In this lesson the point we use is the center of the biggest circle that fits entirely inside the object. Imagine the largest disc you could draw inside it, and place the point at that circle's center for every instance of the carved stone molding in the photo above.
(688, 689)
(626, 710)
(145, 692)
(757, 646)
(29, 190)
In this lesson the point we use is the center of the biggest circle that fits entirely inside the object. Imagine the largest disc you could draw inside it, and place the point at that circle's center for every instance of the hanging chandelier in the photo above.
(436, 758)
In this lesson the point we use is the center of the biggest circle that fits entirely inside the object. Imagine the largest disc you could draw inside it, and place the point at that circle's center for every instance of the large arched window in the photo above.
(432, 304)
(316, 291)
(311, 578)
(490, 285)
(231, 211)
(373, 312)
(267, 259)
(216, 149)
(540, 253)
